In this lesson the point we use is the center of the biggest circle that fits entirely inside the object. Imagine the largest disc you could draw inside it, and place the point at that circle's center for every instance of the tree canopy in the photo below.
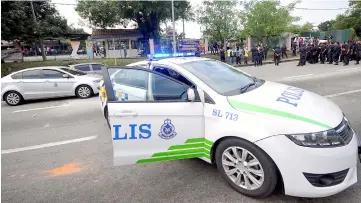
(350, 19)
(147, 15)
(268, 18)
(220, 20)
(17, 21)
(298, 29)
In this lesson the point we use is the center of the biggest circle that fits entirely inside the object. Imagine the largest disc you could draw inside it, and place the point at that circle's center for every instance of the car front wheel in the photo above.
(84, 91)
(13, 98)
(246, 167)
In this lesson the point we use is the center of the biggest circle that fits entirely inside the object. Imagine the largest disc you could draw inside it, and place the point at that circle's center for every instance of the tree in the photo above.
(146, 14)
(298, 29)
(326, 26)
(18, 23)
(267, 18)
(214, 16)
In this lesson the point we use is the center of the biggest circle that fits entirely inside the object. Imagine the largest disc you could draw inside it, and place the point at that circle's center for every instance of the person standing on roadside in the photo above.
(265, 52)
(260, 56)
(358, 52)
(294, 47)
(303, 53)
(347, 54)
(336, 53)
(322, 53)
(222, 55)
(238, 56)
(277, 55)
(331, 48)
(246, 53)
(229, 58)
(253, 51)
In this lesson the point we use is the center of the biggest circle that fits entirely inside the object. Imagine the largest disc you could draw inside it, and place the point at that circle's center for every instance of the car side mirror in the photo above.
(65, 76)
(191, 95)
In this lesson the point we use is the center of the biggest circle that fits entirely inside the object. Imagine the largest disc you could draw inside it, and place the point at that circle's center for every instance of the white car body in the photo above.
(47, 87)
(262, 116)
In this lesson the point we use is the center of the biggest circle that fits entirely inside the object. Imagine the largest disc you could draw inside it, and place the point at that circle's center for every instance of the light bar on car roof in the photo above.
(170, 55)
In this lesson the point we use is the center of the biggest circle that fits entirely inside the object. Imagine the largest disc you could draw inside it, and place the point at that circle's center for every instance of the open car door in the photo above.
(163, 120)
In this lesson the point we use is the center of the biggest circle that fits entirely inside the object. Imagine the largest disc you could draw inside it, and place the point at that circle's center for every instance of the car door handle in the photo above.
(125, 113)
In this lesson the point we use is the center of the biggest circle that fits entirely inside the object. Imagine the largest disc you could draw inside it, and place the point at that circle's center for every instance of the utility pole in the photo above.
(174, 41)
(37, 26)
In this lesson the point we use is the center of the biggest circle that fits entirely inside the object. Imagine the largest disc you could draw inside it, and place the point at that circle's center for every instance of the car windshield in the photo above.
(74, 72)
(219, 76)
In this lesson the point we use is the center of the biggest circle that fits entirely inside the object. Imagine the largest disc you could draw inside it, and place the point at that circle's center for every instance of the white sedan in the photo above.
(258, 133)
(47, 82)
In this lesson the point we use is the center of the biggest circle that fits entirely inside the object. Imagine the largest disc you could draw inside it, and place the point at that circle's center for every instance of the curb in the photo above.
(267, 62)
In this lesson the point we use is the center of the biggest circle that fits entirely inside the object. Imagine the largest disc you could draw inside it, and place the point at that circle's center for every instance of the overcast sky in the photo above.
(192, 29)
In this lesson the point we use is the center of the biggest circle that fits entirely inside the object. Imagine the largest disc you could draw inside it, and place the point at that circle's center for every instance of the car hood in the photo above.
(289, 102)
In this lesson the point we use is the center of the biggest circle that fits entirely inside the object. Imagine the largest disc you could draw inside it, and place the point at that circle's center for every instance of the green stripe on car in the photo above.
(250, 107)
(193, 148)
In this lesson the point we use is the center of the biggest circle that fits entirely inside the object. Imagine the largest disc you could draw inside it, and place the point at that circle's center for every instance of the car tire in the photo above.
(13, 98)
(84, 91)
(260, 187)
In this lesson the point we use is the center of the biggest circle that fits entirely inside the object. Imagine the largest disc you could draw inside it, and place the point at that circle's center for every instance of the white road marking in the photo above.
(298, 76)
(343, 93)
(42, 108)
(346, 69)
(52, 144)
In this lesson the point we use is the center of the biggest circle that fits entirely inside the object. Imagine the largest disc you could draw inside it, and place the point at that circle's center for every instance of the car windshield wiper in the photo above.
(245, 88)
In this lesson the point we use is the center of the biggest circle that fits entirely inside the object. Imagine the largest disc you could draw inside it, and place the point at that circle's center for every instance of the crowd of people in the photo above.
(330, 52)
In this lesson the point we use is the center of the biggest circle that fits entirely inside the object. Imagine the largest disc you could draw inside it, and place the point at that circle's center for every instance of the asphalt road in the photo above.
(61, 150)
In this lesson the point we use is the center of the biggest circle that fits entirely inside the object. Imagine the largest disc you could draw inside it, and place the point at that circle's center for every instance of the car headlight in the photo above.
(329, 138)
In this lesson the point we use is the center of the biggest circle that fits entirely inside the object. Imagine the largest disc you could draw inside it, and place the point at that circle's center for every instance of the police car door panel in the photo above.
(152, 131)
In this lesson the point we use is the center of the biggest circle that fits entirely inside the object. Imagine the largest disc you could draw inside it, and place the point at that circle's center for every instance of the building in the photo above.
(112, 39)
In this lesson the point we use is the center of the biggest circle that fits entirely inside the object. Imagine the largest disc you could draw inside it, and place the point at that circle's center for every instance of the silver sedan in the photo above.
(47, 82)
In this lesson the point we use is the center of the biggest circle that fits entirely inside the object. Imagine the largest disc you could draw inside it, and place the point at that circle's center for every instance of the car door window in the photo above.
(83, 67)
(17, 76)
(31, 74)
(96, 67)
(166, 89)
(173, 74)
(52, 74)
(132, 77)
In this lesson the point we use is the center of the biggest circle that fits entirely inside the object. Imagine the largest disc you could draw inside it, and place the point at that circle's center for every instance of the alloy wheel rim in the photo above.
(243, 168)
(13, 98)
(84, 91)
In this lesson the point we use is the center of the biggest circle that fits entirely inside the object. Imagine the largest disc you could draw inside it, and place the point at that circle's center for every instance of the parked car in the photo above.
(89, 68)
(47, 82)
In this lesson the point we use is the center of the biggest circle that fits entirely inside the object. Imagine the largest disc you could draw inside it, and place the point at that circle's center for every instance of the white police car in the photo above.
(257, 132)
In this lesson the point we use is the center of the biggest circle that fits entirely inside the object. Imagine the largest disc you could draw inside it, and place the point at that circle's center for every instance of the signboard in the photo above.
(189, 44)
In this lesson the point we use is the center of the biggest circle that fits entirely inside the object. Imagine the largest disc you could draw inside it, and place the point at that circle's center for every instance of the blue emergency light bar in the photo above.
(161, 55)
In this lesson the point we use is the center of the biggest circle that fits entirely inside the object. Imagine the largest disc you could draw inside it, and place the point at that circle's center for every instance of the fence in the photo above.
(337, 35)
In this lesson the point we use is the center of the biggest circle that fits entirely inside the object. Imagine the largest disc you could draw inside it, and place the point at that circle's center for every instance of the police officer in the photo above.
(343, 51)
(314, 50)
(336, 53)
(253, 51)
(358, 52)
(277, 55)
(347, 54)
(256, 57)
(303, 53)
(330, 53)
(265, 52)
(323, 50)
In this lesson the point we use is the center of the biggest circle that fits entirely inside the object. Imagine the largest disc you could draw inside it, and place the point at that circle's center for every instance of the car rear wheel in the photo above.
(13, 98)
(84, 91)
(246, 167)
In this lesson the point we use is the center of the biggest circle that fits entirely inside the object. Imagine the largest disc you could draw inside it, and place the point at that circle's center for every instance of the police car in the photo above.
(258, 133)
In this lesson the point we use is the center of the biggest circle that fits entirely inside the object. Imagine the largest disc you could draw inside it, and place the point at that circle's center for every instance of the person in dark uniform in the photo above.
(303, 53)
(308, 54)
(256, 57)
(222, 55)
(336, 53)
(283, 50)
(294, 47)
(343, 51)
(314, 50)
(347, 54)
(253, 51)
(260, 56)
(265, 52)
(277, 55)
(323, 51)
(358, 52)
(331, 48)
